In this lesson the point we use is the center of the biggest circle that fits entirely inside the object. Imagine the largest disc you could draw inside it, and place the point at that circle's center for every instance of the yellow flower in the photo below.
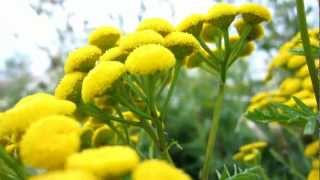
(255, 145)
(314, 174)
(139, 38)
(254, 13)
(70, 86)
(247, 49)
(221, 15)
(159, 25)
(296, 61)
(312, 149)
(100, 79)
(49, 141)
(290, 86)
(130, 116)
(107, 161)
(280, 60)
(181, 44)
(102, 136)
(307, 84)
(191, 24)
(259, 96)
(196, 58)
(114, 54)
(65, 175)
(32, 108)
(257, 31)
(149, 59)
(310, 102)
(303, 71)
(238, 156)
(303, 94)
(251, 156)
(316, 163)
(209, 32)
(104, 37)
(82, 59)
(158, 170)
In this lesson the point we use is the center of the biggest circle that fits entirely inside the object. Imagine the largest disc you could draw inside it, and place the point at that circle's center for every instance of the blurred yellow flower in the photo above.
(70, 86)
(82, 59)
(104, 37)
(255, 145)
(114, 54)
(49, 141)
(257, 31)
(314, 174)
(158, 170)
(296, 62)
(191, 24)
(149, 59)
(209, 32)
(139, 38)
(107, 161)
(290, 86)
(312, 149)
(159, 25)
(307, 84)
(65, 175)
(101, 78)
(254, 13)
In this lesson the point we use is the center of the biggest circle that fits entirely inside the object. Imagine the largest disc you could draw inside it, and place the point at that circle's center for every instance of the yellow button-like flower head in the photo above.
(181, 44)
(82, 59)
(104, 37)
(159, 25)
(32, 108)
(248, 48)
(307, 84)
(107, 161)
(70, 86)
(221, 15)
(101, 78)
(114, 54)
(65, 175)
(210, 32)
(314, 174)
(192, 24)
(254, 13)
(149, 59)
(290, 86)
(139, 38)
(255, 145)
(158, 170)
(49, 141)
(296, 62)
(257, 31)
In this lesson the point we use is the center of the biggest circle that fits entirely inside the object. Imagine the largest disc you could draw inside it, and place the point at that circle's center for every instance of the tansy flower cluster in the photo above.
(296, 82)
(251, 152)
(312, 151)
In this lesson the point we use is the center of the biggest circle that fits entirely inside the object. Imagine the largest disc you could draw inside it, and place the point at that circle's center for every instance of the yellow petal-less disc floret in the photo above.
(139, 38)
(82, 59)
(114, 54)
(314, 174)
(257, 31)
(307, 83)
(49, 141)
(290, 86)
(296, 62)
(191, 24)
(107, 161)
(158, 170)
(209, 32)
(181, 44)
(312, 149)
(101, 78)
(254, 13)
(159, 25)
(255, 145)
(104, 37)
(65, 175)
(248, 48)
(70, 86)
(149, 59)
(221, 15)
(32, 108)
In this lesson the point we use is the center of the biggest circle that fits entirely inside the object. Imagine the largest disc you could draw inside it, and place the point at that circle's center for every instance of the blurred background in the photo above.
(36, 36)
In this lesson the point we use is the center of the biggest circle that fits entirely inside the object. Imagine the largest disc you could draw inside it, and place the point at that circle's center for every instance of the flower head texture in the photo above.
(296, 62)
(254, 13)
(159, 25)
(65, 175)
(70, 86)
(290, 85)
(307, 84)
(32, 108)
(114, 54)
(49, 141)
(191, 24)
(139, 38)
(106, 161)
(82, 59)
(149, 59)
(312, 149)
(221, 15)
(104, 37)
(209, 32)
(181, 44)
(257, 31)
(158, 170)
(101, 78)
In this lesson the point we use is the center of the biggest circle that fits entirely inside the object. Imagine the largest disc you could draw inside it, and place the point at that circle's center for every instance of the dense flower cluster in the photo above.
(250, 152)
(296, 82)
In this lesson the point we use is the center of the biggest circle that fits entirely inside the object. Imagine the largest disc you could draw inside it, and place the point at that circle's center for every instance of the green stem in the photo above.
(213, 132)
(307, 50)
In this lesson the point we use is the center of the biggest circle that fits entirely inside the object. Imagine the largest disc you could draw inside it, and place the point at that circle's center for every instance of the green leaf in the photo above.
(310, 127)
(315, 51)
(254, 173)
(10, 168)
